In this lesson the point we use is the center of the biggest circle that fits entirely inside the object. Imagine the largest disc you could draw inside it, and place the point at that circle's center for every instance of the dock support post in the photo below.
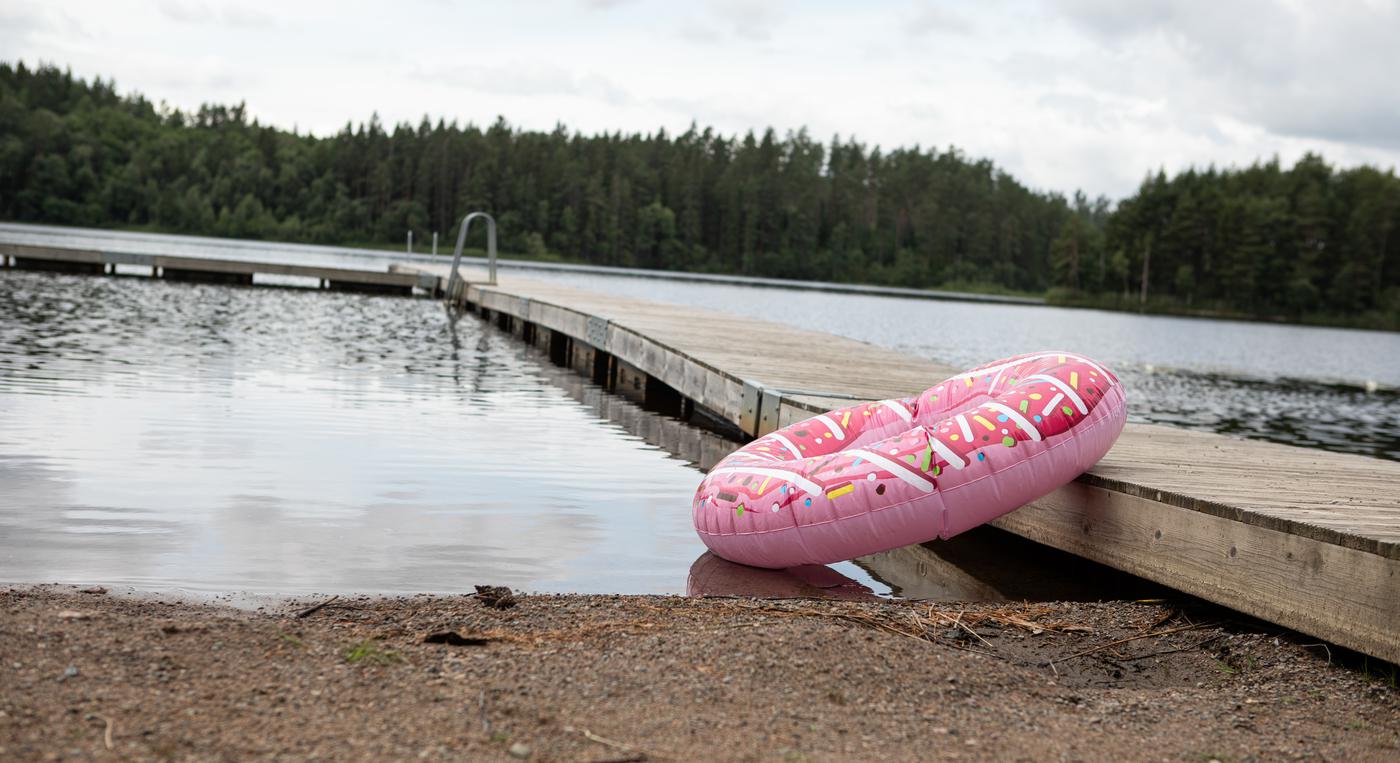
(559, 347)
(59, 266)
(368, 288)
(206, 276)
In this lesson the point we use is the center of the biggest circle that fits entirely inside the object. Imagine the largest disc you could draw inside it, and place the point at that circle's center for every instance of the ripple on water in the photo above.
(218, 438)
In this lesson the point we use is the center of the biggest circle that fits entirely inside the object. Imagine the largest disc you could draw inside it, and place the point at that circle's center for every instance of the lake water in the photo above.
(205, 440)
(209, 439)
(277, 440)
(1336, 389)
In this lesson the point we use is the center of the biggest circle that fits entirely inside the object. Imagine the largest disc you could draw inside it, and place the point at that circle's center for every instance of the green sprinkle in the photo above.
(740, 509)
(1068, 411)
(1008, 441)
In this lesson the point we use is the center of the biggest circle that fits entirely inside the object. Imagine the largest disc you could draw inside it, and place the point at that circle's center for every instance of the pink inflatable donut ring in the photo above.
(877, 476)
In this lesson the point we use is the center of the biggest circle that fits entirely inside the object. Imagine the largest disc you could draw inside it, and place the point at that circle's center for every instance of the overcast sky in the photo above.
(1087, 94)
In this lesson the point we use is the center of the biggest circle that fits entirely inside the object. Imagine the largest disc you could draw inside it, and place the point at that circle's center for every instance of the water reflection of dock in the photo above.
(1303, 538)
(700, 447)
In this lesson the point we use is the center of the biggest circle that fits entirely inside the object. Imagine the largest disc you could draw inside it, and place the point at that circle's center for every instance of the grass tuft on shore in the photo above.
(371, 652)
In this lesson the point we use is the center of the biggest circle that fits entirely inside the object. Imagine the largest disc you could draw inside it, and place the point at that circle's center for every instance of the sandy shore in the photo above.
(630, 678)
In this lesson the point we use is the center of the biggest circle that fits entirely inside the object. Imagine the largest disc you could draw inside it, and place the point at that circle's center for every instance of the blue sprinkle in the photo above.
(1037, 418)
(981, 456)
(809, 502)
(783, 490)
(1002, 417)
(857, 461)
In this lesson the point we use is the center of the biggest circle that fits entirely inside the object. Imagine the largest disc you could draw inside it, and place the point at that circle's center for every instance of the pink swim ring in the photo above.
(881, 475)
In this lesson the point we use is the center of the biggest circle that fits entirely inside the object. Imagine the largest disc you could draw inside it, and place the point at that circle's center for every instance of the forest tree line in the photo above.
(1308, 242)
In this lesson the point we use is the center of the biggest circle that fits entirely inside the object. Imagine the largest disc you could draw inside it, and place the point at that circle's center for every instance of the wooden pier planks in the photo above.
(87, 260)
(1304, 538)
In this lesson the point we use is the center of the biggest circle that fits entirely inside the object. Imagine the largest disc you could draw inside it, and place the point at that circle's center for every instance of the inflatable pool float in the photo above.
(880, 475)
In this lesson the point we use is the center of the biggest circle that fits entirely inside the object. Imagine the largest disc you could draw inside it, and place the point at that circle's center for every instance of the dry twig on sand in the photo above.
(309, 611)
(633, 754)
(1166, 632)
(107, 733)
(1191, 648)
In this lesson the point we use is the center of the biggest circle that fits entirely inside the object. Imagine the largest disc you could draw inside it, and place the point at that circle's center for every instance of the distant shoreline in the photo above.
(957, 292)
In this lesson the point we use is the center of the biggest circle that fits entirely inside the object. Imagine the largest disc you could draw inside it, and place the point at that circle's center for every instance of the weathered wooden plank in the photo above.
(197, 265)
(49, 253)
(1329, 590)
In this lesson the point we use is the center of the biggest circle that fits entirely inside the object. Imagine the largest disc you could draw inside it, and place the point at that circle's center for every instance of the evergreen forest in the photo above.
(1310, 242)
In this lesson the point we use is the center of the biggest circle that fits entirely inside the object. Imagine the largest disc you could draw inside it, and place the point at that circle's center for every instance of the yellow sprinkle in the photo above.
(968, 380)
(764, 486)
(984, 422)
(1074, 379)
(1062, 360)
(840, 491)
(1034, 395)
(846, 419)
(954, 438)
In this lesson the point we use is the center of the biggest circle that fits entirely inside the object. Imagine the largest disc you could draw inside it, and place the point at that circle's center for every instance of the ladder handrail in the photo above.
(453, 277)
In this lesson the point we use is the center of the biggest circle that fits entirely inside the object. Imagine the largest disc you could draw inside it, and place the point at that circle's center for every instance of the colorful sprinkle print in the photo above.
(812, 472)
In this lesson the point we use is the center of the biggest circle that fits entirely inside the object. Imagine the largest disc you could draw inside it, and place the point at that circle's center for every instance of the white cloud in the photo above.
(933, 18)
(523, 78)
(1064, 94)
(754, 20)
(1305, 70)
(186, 11)
(34, 26)
(232, 14)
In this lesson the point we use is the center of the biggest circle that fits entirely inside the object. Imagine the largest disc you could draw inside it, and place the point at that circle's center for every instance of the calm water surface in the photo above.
(165, 435)
(1298, 385)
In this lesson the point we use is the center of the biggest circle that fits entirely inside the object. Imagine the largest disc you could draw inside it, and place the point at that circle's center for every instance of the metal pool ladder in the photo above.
(454, 278)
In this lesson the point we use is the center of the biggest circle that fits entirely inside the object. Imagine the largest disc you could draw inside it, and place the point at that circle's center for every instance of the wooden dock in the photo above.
(1303, 538)
(209, 270)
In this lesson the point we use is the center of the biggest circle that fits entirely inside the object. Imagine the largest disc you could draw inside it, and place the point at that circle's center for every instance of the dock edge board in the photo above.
(88, 260)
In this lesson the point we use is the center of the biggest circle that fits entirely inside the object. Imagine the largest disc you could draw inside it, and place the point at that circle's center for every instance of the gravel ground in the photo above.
(630, 678)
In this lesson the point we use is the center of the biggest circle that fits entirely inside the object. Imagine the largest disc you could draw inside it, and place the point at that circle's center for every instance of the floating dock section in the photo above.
(1304, 538)
(232, 272)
